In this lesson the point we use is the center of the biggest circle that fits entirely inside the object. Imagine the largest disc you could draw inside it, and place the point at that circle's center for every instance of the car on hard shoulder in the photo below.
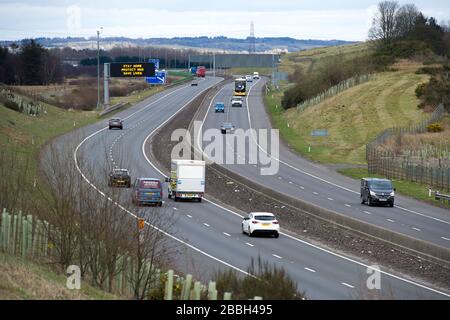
(237, 101)
(377, 191)
(226, 128)
(219, 107)
(147, 191)
(116, 123)
(261, 223)
(119, 178)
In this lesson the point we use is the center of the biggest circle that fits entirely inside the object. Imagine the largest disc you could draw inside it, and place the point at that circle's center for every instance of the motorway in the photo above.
(317, 184)
(211, 234)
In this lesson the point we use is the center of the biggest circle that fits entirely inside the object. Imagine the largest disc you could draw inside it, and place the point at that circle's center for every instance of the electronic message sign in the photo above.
(132, 69)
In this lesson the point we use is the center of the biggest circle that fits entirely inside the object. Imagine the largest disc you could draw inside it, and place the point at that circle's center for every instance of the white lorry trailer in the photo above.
(187, 179)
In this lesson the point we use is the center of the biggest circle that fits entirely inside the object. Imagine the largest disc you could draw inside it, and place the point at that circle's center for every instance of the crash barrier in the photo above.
(341, 86)
(418, 166)
(31, 238)
(113, 108)
(442, 197)
(122, 104)
(416, 246)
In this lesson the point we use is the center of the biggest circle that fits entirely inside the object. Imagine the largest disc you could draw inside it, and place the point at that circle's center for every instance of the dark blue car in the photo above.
(147, 191)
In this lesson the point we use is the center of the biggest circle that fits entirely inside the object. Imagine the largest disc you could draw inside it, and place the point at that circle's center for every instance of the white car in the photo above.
(255, 75)
(260, 222)
(236, 102)
(248, 78)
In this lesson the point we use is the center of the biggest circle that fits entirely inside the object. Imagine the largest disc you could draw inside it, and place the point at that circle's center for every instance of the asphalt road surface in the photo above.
(318, 184)
(210, 234)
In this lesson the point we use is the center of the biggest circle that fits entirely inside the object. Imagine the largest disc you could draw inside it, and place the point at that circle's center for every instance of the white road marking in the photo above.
(290, 182)
(390, 220)
(310, 270)
(128, 211)
(189, 216)
(367, 212)
(445, 238)
(286, 235)
(249, 244)
(205, 224)
(277, 256)
(174, 208)
(227, 234)
(417, 229)
(302, 187)
(331, 199)
(317, 177)
(347, 285)
(316, 193)
(347, 205)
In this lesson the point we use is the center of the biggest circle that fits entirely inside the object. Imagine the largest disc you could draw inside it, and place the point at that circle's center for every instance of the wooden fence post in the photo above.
(212, 292)
(169, 286)
(195, 293)
(23, 247)
(186, 287)
(30, 235)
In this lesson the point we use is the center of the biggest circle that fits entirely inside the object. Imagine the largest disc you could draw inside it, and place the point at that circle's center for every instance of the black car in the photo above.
(116, 123)
(377, 191)
(226, 127)
(119, 178)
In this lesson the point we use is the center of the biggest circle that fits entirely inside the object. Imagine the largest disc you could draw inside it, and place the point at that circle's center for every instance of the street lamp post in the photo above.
(98, 68)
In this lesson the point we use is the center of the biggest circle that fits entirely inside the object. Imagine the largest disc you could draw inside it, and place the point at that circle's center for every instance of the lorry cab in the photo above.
(147, 191)
(377, 191)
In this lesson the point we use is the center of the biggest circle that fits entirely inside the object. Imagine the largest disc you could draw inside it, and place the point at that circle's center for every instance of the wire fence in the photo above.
(340, 87)
(412, 165)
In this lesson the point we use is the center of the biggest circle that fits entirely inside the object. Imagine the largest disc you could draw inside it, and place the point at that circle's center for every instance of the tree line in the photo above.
(396, 32)
(29, 64)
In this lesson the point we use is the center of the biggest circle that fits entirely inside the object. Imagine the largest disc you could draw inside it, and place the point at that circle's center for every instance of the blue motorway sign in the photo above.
(156, 62)
(159, 78)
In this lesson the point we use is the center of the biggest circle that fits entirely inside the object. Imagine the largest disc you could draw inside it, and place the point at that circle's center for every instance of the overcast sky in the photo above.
(312, 19)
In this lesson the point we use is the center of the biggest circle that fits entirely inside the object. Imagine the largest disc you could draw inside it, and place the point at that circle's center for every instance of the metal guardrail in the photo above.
(112, 108)
(442, 197)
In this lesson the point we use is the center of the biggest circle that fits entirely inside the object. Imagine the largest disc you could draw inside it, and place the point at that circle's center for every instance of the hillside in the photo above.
(22, 279)
(201, 43)
(310, 59)
(355, 116)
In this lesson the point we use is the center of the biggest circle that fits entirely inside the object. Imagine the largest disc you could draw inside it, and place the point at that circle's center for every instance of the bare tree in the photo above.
(151, 249)
(405, 19)
(384, 23)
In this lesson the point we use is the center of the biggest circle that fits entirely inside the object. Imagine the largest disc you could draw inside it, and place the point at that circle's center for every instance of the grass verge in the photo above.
(24, 279)
(411, 189)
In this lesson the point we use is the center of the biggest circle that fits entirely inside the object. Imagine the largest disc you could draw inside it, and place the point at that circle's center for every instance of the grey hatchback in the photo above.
(377, 191)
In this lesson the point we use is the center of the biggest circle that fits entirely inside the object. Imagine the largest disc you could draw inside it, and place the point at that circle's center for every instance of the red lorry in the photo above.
(201, 71)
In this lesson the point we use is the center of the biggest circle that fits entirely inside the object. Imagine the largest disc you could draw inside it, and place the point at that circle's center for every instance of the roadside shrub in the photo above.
(271, 282)
(420, 90)
(330, 72)
(434, 127)
(84, 98)
(12, 105)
